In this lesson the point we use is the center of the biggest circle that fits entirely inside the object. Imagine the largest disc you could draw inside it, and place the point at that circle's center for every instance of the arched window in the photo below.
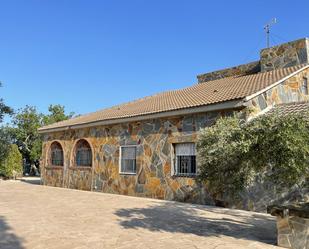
(56, 154)
(83, 153)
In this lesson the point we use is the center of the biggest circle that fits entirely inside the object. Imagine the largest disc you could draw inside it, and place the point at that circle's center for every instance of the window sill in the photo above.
(80, 168)
(124, 173)
(186, 175)
(53, 167)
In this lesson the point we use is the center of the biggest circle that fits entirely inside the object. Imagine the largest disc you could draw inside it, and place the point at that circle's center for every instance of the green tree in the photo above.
(4, 109)
(4, 144)
(25, 134)
(12, 165)
(4, 136)
(274, 147)
(56, 114)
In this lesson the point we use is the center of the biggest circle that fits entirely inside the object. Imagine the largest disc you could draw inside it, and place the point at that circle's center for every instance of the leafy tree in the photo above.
(56, 114)
(4, 136)
(4, 109)
(12, 165)
(4, 144)
(274, 147)
(25, 129)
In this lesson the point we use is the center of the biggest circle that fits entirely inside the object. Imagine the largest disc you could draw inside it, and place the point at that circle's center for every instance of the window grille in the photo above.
(185, 163)
(83, 154)
(56, 154)
(128, 159)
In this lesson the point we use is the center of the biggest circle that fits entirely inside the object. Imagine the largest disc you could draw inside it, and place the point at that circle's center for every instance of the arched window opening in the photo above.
(83, 156)
(56, 154)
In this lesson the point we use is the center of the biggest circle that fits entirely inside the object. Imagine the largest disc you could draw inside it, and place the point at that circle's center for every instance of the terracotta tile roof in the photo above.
(211, 92)
(290, 108)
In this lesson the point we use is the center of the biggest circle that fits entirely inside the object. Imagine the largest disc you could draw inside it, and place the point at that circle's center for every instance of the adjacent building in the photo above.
(147, 147)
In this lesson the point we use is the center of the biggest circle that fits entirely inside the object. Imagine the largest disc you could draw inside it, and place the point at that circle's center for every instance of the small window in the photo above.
(83, 155)
(56, 154)
(305, 86)
(185, 161)
(128, 159)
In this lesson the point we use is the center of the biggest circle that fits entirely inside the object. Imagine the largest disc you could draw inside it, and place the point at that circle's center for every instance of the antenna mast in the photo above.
(267, 30)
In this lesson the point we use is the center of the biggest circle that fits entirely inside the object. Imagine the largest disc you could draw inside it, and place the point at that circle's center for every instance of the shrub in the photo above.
(12, 165)
(233, 152)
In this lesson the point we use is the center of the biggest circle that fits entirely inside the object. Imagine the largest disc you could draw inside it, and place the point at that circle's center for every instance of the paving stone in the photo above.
(41, 217)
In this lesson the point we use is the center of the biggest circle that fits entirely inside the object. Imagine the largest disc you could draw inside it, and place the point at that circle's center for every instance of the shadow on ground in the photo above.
(8, 240)
(31, 180)
(200, 220)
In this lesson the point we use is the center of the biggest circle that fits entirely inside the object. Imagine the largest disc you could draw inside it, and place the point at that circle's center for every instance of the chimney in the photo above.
(285, 55)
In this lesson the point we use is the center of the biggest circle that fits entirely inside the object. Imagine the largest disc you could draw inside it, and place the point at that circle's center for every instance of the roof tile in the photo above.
(211, 92)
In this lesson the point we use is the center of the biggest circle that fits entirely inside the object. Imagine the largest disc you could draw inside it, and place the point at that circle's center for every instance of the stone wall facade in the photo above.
(291, 90)
(155, 140)
(244, 69)
(285, 55)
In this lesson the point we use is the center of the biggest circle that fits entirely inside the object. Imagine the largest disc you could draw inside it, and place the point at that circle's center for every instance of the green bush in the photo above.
(12, 165)
(232, 153)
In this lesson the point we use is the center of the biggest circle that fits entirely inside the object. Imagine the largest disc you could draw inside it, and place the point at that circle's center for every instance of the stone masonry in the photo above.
(285, 55)
(292, 225)
(154, 140)
(249, 68)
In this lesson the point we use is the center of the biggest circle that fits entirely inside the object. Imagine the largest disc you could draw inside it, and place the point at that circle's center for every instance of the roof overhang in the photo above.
(276, 83)
(232, 104)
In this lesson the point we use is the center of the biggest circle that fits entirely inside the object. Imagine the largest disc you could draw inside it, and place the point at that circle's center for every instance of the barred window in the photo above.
(185, 159)
(128, 159)
(305, 86)
(56, 154)
(83, 153)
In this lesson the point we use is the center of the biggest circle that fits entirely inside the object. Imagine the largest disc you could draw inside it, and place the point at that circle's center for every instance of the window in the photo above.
(185, 163)
(56, 154)
(83, 155)
(305, 86)
(128, 159)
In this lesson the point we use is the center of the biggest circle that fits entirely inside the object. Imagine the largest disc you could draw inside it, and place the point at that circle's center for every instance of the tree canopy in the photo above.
(12, 165)
(24, 131)
(4, 136)
(233, 152)
(4, 109)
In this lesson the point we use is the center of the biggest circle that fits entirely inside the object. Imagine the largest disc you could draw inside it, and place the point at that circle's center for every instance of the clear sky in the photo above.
(88, 55)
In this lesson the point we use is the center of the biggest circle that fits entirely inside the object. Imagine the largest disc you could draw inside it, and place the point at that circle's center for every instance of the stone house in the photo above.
(146, 147)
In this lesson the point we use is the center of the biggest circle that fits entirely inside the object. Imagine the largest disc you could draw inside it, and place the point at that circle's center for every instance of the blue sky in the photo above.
(88, 55)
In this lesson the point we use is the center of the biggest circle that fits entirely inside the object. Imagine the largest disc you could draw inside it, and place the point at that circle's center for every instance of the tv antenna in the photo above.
(267, 29)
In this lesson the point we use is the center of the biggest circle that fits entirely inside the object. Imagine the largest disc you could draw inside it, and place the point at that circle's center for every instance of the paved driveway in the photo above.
(34, 216)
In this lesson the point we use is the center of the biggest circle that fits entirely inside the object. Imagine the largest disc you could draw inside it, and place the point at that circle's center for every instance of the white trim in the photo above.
(268, 108)
(231, 104)
(274, 84)
(119, 163)
(174, 162)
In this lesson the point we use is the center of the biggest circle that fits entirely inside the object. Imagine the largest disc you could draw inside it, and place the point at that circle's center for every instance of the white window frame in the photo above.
(304, 86)
(174, 171)
(120, 160)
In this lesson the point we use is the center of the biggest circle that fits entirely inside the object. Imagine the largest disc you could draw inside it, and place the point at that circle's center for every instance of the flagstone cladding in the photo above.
(154, 140)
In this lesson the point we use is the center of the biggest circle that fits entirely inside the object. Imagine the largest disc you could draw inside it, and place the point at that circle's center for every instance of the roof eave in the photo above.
(275, 84)
(231, 104)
